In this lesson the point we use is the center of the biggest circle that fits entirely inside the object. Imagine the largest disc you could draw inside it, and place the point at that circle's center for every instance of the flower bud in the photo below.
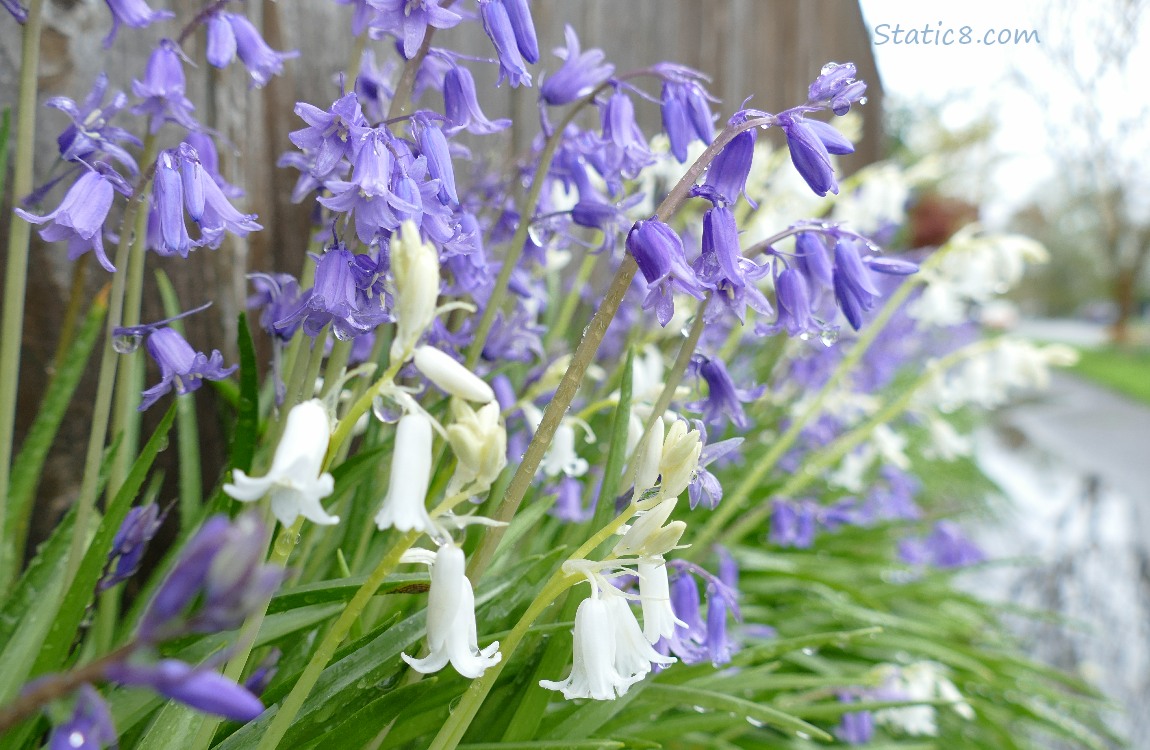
(415, 267)
(452, 376)
(479, 440)
(680, 458)
(647, 458)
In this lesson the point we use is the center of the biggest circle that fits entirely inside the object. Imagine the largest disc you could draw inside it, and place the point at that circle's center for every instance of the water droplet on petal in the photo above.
(126, 343)
(862, 100)
(829, 336)
(537, 232)
(829, 67)
(385, 411)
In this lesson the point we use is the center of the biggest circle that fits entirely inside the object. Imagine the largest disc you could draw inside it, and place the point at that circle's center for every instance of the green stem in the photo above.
(585, 355)
(815, 467)
(733, 503)
(319, 660)
(16, 275)
(102, 406)
(126, 417)
(77, 297)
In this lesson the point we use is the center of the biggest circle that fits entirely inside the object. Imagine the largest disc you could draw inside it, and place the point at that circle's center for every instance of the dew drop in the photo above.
(829, 336)
(829, 67)
(285, 542)
(862, 100)
(805, 336)
(126, 343)
(163, 444)
(537, 233)
(385, 411)
(802, 735)
(755, 722)
(809, 652)
(699, 709)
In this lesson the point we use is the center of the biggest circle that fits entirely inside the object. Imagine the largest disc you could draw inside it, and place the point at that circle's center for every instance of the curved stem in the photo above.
(585, 355)
(16, 275)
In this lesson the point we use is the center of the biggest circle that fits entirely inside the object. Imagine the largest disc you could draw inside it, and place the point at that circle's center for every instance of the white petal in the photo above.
(452, 376)
(404, 506)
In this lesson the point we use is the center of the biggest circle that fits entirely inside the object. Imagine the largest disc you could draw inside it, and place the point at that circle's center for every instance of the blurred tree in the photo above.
(1099, 127)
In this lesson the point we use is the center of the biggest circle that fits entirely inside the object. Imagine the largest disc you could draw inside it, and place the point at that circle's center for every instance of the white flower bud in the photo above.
(479, 440)
(415, 267)
(659, 619)
(647, 458)
(451, 376)
(680, 459)
(647, 537)
(294, 480)
(404, 506)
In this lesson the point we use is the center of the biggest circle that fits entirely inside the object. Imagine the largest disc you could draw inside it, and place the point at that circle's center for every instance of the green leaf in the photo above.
(66, 620)
(248, 413)
(617, 452)
(688, 696)
(341, 590)
(28, 466)
(37, 577)
(361, 727)
(546, 745)
(588, 718)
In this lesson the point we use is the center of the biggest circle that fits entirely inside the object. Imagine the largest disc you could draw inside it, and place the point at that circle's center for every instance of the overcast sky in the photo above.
(964, 81)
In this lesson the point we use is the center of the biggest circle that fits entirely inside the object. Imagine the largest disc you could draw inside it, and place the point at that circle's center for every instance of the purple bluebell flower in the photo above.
(837, 86)
(264, 673)
(90, 133)
(724, 401)
(722, 267)
(207, 204)
(515, 338)
(793, 524)
(407, 21)
(181, 366)
(373, 85)
(523, 27)
(231, 35)
(722, 598)
(658, 251)
(623, 149)
(497, 24)
(835, 142)
(362, 15)
(855, 727)
(794, 300)
(331, 134)
(813, 260)
(686, 116)
(162, 89)
(130, 543)
(945, 547)
(336, 299)
(810, 153)
(890, 266)
(168, 202)
(579, 75)
(461, 105)
(89, 727)
(690, 630)
(893, 498)
(433, 146)
(80, 217)
(569, 502)
(855, 291)
(218, 580)
(18, 11)
(134, 13)
(705, 489)
(727, 176)
(200, 688)
(209, 160)
(369, 193)
(276, 295)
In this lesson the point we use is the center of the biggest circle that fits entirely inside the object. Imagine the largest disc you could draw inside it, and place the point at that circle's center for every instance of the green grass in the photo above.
(1124, 370)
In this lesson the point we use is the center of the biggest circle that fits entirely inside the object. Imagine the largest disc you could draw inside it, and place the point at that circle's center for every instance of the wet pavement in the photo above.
(1074, 463)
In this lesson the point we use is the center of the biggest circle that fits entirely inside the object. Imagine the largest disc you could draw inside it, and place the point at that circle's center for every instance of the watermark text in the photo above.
(945, 36)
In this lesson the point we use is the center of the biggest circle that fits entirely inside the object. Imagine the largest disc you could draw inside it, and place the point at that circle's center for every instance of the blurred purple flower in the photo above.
(580, 73)
(90, 134)
(89, 727)
(130, 543)
(197, 687)
(134, 13)
(407, 21)
(80, 217)
(497, 24)
(162, 89)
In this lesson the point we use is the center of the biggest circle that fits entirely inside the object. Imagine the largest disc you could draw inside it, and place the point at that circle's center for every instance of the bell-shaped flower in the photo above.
(523, 27)
(415, 268)
(198, 687)
(855, 291)
(561, 456)
(461, 105)
(686, 116)
(231, 34)
(580, 73)
(407, 21)
(296, 480)
(659, 620)
(727, 176)
(593, 673)
(129, 544)
(633, 652)
(404, 506)
(80, 217)
(336, 299)
(433, 146)
(134, 13)
(451, 630)
(332, 134)
(89, 727)
(811, 143)
(658, 251)
(479, 440)
(206, 203)
(813, 260)
(452, 376)
(833, 78)
(497, 24)
(162, 89)
(722, 267)
(181, 366)
(724, 400)
(91, 135)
